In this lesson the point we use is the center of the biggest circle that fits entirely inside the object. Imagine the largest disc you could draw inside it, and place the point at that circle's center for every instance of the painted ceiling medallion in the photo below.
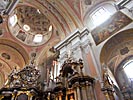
(30, 22)
(88, 2)
(6, 56)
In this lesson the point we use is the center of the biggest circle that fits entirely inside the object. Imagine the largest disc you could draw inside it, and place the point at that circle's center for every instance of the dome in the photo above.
(29, 25)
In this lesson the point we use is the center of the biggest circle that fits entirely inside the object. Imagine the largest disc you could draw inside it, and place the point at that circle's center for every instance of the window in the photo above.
(13, 20)
(26, 27)
(99, 16)
(124, 75)
(128, 68)
(38, 38)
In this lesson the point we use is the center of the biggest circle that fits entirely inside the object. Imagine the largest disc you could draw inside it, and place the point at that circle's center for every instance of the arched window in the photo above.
(128, 69)
(13, 20)
(124, 75)
(100, 16)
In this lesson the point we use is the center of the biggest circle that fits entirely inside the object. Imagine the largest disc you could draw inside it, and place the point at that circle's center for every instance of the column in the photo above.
(106, 95)
(60, 95)
(30, 97)
(13, 96)
(56, 98)
(87, 91)
(109, 95)
(1, 97)
(92, 92)
(96, 63)
(60, 98)
(78, 91)
(75, 91)
(75, 94)
(83, 89)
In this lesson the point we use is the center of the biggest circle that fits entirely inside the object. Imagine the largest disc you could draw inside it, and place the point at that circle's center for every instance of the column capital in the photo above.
(88, 83)
(76, 84)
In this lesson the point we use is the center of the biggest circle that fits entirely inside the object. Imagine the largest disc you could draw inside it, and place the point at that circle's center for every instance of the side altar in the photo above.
(22, 85)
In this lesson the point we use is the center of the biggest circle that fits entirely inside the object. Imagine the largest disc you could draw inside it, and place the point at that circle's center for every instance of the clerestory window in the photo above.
(128, 68)
(100, 16)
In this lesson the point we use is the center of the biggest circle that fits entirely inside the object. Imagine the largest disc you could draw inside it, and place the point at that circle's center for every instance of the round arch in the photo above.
(11, 55)
(17, 48)
(114, 53)
(107, 6)
(116, 49)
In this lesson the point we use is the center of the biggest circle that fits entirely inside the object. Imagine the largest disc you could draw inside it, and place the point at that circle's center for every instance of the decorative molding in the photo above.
(71, 37)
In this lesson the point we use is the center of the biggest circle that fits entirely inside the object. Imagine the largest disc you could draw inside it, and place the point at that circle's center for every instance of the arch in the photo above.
(120, 68)
(11, 55)
(108, 6)
(124, 81)
(17, 48)
(115, 52)
(116, 49)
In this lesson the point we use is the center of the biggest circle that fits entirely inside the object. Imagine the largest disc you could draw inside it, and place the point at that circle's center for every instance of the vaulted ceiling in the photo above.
(65, 16)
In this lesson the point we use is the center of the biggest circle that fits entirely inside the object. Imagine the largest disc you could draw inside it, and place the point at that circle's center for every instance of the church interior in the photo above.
(66, 49)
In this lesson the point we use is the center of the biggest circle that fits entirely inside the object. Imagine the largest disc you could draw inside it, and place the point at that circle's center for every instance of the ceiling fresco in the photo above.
(30, 22)
(63, 15)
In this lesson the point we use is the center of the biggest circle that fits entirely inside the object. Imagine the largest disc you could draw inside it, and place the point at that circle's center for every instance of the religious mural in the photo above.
(21, 35)
(111, 26)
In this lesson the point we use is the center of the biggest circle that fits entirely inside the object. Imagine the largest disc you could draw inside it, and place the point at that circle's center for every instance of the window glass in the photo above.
(128, 68)
(100, 15)
(13, 20)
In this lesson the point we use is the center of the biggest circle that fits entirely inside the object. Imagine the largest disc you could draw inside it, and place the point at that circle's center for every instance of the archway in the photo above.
(124, 77)
(115, 51)
(12, 55)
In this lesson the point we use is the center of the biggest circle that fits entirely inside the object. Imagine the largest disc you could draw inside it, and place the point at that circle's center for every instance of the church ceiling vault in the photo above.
(65, 16)
(117, 49)
(11, 55)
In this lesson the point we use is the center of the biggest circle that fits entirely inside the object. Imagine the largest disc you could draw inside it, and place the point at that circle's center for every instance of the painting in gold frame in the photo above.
(71, 96)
